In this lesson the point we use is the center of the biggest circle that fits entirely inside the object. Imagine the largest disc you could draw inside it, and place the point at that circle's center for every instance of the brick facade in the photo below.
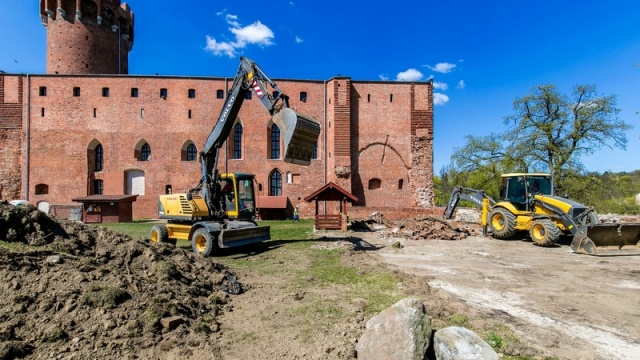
(376, 140)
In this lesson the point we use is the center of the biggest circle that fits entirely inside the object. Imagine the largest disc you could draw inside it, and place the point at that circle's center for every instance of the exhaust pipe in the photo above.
(300, 134)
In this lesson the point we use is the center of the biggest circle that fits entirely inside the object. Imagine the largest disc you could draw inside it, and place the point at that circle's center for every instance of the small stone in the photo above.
(171, 322)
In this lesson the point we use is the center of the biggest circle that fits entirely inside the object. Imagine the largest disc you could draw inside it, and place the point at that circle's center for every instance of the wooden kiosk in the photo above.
(334, 218)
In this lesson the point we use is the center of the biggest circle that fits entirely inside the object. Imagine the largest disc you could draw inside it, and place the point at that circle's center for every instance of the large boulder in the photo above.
(458, 343)
(400, 332)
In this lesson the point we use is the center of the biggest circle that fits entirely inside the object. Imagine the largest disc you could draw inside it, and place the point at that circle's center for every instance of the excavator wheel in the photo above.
(502, 223)
(544, 232)
(159, 234)
(203, 242)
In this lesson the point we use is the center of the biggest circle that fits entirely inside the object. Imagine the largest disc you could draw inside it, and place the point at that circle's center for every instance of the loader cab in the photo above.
(238, 195)
(519, 188)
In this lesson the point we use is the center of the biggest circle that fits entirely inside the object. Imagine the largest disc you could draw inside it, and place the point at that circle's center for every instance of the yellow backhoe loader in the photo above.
(526, 204)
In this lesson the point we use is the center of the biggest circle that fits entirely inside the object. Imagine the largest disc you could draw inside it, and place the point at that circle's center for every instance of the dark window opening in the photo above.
(163, 93)
(375, 184)
(99, 158)
(303, 96)
(168, 189)
(391, 98)
(98, 187)
(247, 95)
(368, 97)
(275, 184)
(95, 112)
(192, 152)
(42, 112)
(105, 92)
(237, 141)
(42, 189)
(189, 113)
(275, 94)
(220, 94)
(43, 91)
(145, 152)
(134, 92)
(400, 184)
(275, 142)
(191, 93)
(314, 154)
(76, 91)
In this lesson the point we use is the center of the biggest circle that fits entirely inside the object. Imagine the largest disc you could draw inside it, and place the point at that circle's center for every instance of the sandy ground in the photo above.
(569, 305)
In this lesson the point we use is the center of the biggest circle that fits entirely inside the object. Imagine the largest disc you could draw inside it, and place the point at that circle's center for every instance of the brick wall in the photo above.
(11, 136)
(65, 129)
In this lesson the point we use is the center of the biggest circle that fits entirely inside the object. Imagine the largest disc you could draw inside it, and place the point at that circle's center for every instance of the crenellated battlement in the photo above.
(75, 22)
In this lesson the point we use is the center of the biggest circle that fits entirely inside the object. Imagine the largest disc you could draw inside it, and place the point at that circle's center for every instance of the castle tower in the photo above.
(87, 36)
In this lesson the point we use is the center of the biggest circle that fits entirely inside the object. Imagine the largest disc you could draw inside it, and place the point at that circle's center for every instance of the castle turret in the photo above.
(87, 36)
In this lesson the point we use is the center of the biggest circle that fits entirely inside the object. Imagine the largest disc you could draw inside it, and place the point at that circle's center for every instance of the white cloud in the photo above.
(440, 86)
(461, 85)
(440, 99)
(409, 75)
(255, 34)
(442, 67)
(383, 77)
(299, 40)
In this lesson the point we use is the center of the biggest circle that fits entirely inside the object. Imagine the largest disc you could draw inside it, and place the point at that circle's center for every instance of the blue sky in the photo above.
(481, 55)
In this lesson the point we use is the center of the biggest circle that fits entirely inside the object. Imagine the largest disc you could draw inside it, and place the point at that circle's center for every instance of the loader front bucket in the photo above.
(300, 134)
(609, 239)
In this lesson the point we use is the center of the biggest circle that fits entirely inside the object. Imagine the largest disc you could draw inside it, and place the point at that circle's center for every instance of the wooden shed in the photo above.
(334, 217)
(107, 208)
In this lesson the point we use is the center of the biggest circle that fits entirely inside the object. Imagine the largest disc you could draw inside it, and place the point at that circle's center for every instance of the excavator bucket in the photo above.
(300, 134)
(608, 239)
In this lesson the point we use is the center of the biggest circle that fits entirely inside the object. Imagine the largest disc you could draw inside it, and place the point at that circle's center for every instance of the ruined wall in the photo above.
(11, 136)
(390, 165)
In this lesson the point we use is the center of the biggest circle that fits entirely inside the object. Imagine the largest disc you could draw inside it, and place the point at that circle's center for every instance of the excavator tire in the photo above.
(544, 232)
(203, 242)
(159, 234)
(502, 223)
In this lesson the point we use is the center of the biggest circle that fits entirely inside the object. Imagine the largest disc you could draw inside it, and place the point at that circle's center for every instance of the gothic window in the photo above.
(192, 152)
(99, 162)
(237, 141)
(275, 142)
(275, 183)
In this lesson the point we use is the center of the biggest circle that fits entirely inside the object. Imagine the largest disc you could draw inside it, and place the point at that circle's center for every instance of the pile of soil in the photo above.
(76, 291)
(428, 227)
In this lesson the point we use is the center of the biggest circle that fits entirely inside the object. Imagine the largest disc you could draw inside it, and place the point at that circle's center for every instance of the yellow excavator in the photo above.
(220, 211)
(527, 204)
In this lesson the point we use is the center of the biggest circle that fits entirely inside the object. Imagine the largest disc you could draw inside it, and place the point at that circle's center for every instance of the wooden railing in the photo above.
(329, 222)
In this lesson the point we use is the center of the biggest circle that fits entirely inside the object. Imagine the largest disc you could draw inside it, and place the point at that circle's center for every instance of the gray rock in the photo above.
(458, 343)
(53, 259)
(400, 332)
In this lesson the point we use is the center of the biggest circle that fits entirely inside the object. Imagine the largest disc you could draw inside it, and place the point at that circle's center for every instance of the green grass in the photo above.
(136, 229)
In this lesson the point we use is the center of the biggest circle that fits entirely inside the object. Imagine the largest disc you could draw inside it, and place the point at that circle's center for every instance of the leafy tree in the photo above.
(551, 130)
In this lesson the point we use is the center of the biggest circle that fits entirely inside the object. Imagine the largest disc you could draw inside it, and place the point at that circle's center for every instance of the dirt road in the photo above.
(572, 306)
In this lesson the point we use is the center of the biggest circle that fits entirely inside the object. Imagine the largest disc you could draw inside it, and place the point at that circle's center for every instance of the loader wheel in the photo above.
(202, 242)
(159, 234)
(503, 223)
(544, 232)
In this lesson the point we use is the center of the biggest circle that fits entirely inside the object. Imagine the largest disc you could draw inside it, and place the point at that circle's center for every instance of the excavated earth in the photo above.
(73, 291)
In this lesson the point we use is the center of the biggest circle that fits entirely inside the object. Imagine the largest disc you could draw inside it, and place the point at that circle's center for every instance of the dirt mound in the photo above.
(427, 227)
(75, 291)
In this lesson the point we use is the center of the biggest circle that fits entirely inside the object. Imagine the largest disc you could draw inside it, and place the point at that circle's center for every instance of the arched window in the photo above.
(237, 141)
(275, 142)
(99, 159)
(192, 152)
(275, 183)
(145, 152)
(42, 189)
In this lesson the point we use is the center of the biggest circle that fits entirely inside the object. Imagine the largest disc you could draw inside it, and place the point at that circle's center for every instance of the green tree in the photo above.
(553, 131)
(549, 132)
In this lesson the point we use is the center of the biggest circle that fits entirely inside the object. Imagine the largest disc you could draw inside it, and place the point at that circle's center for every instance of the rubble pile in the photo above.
(426, 227)
(76, 291)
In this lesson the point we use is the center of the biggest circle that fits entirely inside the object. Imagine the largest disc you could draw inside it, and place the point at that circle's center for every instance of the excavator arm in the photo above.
(300, 132)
